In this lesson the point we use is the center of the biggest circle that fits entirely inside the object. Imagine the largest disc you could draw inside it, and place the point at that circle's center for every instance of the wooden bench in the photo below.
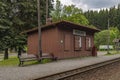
(26, 58)
(31, 57)
(49, 56)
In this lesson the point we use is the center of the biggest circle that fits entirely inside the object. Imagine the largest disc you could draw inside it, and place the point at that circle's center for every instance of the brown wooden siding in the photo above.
(49, 41)
(72, 52)
(32, 43)
(59, 41)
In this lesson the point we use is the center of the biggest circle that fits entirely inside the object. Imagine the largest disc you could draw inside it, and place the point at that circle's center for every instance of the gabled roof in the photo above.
(60, 22)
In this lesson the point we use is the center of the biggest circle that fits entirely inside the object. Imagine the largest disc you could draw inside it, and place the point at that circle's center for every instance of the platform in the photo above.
(40, 70)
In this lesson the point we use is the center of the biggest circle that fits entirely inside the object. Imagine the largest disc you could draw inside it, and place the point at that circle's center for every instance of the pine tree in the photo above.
(15, 17)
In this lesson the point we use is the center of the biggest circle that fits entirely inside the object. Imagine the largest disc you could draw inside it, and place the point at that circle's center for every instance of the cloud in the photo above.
(95, 4)
(65, 2)
(84, 7)
(91, 4)
(77, 3)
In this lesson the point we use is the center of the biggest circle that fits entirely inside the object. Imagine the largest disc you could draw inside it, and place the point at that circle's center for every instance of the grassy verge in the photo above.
(14, 61)
(113, 53)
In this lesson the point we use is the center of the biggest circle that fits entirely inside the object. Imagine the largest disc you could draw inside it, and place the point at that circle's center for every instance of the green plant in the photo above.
(14, 61)
(9, 62)
(46, 61)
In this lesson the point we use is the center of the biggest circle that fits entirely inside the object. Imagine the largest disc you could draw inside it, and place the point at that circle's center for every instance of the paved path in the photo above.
(36, 71)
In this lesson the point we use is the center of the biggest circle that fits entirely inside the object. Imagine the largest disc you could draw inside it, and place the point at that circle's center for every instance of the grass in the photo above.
(46, 61)
(113, 53)
(14, 61)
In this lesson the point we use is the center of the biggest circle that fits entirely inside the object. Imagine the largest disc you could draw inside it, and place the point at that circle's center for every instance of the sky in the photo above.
(91, 4)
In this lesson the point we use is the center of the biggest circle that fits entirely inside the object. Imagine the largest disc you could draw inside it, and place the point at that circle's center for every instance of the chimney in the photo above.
(48, 20)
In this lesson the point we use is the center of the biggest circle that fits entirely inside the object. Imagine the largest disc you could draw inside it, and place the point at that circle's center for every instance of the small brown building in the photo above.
(64, 39)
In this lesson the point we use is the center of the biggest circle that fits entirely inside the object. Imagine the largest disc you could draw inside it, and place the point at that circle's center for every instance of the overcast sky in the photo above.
(91, 4)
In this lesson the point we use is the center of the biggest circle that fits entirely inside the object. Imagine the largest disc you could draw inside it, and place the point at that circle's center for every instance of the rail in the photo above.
(67, 74)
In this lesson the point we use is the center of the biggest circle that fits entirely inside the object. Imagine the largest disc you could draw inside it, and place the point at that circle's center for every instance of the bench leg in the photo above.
(19, 63)
(40, 60)
(54, 59)
(22, 63)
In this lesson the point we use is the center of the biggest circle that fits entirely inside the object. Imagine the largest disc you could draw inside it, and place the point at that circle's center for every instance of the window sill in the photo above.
(89, 49)
(78, 49)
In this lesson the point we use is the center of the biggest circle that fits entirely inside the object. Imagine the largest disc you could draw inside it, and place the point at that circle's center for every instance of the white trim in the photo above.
(80, 42)
(89, 42)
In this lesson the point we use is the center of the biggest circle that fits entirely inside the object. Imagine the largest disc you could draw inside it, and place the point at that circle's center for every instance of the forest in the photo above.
(17, 16)
(100, 18)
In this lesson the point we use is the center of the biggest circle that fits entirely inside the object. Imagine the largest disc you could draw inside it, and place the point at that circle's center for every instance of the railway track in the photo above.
(69, 75)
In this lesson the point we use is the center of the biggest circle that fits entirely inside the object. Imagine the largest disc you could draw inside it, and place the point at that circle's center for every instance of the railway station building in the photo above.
(64, 39)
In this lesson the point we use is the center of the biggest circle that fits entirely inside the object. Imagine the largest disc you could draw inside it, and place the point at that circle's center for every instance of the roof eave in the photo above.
(54, 23)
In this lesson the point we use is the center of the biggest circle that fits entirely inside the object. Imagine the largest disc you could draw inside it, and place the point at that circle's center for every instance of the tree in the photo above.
(69, 13)
(100, 18)
(5, 24)
(56, 13)
(15, 17)
(25, 13)
(101, 37)
(74, 14)
(28, 9)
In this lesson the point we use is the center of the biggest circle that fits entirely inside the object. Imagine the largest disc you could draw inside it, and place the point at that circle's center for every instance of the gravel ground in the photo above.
(40, 70)
(109, 72)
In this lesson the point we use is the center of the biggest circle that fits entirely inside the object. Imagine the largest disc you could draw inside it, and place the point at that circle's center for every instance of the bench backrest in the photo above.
(46, 55)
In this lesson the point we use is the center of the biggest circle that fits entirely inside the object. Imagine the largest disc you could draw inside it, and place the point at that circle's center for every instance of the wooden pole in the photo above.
(46, 10)
(108, 36)
(39, 30)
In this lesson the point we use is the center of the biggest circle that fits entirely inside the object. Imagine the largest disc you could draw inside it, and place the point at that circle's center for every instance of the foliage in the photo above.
(113, 53)
(114, 31)
(25, 13)
(14, 61)
(69, 13)
(101, 38)
(100, 18)
(46, 61)
(17, 16)
(56, 13)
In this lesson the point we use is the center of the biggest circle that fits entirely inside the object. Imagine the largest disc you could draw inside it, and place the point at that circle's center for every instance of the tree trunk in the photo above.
(6, 54)
(19, 51)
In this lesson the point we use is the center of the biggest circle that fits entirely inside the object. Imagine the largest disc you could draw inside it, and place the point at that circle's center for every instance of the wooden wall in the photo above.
(68, 42)
(60, 42)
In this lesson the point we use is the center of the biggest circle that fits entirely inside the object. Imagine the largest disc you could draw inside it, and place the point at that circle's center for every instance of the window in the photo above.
(88, 43)
(77, 42)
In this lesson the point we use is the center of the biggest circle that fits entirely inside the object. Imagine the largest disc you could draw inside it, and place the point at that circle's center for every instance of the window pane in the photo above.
(77, 42)
(88, 43)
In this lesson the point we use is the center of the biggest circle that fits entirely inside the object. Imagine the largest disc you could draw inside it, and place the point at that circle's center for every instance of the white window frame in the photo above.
(89, 42)
(80, 42)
